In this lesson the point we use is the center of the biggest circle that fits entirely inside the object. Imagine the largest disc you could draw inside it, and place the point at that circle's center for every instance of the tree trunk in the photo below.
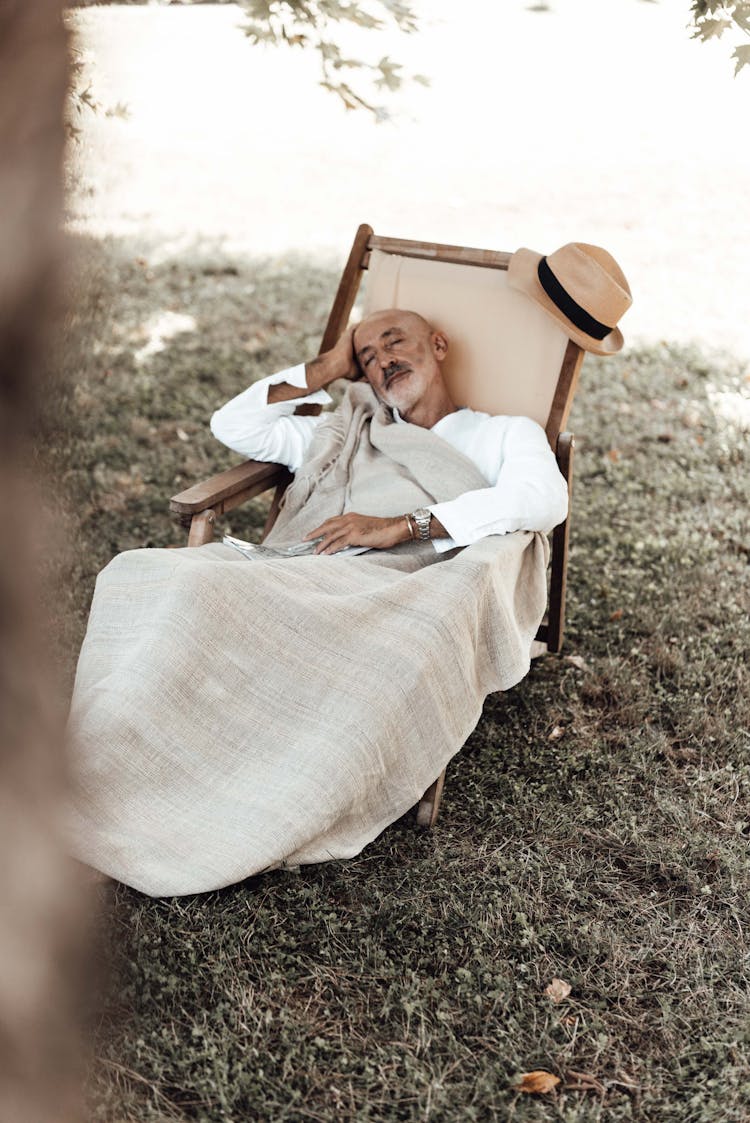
(39, 926)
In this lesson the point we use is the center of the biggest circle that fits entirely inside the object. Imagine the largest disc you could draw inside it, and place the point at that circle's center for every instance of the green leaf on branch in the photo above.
(389, 74)
(711, 29)
(711, 18)
(741, 17)
(313, 24)
(742, 58)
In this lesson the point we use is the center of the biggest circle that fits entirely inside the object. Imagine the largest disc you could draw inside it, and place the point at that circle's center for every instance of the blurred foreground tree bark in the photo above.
(39, 918)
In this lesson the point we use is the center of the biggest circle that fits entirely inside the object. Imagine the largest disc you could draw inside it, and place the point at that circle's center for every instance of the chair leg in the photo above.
(429, 804)
(560, 536)
(202, 528)
(273, 512)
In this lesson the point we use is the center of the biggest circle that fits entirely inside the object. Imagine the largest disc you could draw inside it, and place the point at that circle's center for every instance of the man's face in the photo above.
(400, 355)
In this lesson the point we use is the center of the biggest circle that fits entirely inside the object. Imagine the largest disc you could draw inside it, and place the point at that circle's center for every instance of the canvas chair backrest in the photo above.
(505, 353)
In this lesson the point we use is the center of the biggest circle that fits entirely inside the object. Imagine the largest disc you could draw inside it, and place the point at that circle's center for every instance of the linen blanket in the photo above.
(231, 716)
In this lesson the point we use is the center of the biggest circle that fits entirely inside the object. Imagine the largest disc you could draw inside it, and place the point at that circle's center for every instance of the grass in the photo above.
(595, 827)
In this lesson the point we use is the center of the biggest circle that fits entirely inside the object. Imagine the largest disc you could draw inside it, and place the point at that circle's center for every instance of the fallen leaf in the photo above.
(182, 434)
(577, 661)
(614, 455)
(557, 990)
(537, 1082)
(556, 733)
(616, 615)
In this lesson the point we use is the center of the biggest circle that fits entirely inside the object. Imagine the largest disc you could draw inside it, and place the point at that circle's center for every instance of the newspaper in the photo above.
(260, 553)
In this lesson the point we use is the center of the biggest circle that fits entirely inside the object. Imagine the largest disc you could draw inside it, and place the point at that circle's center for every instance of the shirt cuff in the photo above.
(465, 525)
(293, 376)
(442, 545)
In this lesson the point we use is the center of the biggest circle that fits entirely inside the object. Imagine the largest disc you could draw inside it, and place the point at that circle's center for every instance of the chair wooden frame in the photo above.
(199, 506)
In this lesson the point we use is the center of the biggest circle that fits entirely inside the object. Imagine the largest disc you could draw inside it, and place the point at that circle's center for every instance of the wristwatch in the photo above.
(422, 517)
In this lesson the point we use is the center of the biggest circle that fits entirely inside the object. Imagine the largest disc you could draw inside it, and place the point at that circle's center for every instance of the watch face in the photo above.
(422, 513)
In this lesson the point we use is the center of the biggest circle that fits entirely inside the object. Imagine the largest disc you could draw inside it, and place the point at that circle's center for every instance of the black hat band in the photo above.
(562, 299)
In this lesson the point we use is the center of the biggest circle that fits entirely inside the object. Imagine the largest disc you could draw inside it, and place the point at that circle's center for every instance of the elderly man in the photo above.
(401, 357)
(232, 715)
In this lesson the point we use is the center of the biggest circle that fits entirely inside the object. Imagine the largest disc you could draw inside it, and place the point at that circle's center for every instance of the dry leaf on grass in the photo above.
(577, 661)
(556, 733)
(557, 990)
(537, 1082)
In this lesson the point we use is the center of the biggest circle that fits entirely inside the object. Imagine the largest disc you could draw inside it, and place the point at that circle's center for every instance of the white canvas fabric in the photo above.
(505, 351)
(230, 716)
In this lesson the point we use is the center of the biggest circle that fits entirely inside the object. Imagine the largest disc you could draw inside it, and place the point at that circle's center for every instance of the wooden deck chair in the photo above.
(506, 357)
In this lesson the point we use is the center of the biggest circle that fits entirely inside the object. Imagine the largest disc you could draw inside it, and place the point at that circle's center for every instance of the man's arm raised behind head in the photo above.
(339, 362)
(261, 422)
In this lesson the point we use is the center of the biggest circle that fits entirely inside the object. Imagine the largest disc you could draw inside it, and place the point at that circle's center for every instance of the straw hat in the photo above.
(580, 286)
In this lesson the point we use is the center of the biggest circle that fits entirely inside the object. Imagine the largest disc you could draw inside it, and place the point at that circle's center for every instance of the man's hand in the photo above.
(339, 362)
(359, 530)
(366, 530)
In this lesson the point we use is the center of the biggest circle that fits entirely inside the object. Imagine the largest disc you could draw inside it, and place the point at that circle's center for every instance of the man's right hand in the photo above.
(339, 362)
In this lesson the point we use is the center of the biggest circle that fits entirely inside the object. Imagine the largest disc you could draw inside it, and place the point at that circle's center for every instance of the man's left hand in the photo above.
(359, 530)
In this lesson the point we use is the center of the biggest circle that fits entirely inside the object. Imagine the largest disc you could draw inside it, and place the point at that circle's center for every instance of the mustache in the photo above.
(394, 369)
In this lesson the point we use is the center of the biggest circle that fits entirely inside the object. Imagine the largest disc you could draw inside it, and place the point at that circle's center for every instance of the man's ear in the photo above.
(357, 363)
(440, 345)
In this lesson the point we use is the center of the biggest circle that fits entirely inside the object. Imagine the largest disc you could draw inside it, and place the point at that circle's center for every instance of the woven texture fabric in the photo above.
(230, 716)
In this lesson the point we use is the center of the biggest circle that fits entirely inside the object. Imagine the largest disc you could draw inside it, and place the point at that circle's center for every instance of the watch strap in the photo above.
(422, 517)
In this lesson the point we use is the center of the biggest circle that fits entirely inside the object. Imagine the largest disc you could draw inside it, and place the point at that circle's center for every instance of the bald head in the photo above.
(395, 317)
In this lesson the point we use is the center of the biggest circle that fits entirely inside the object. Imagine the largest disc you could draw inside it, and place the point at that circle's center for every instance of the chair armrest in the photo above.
(228, 489)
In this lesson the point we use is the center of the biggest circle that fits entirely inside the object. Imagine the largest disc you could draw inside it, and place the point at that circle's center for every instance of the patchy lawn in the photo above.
(595, 827)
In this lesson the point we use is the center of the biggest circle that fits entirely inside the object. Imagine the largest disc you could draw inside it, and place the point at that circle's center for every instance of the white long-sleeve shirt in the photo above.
(525, 490)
